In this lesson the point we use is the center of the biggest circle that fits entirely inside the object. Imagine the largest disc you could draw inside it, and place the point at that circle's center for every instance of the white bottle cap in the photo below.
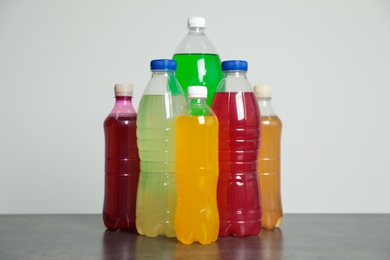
(197, 91)
(123, 90)
(263, 91)
(196, 22)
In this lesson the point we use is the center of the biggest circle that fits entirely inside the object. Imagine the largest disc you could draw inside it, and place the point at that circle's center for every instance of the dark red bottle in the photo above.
(238, 113)
(122, 162)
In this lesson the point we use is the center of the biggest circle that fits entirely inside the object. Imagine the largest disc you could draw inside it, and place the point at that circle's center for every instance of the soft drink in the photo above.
(197, 170)
(198, 62)
(121, 162)
(238, 114)
(161, 101)
(269, 159)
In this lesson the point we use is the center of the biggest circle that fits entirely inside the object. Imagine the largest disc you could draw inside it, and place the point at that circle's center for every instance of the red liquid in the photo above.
(121, 172)
(238, 193)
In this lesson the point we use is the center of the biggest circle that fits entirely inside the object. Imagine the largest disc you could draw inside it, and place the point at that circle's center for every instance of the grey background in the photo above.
(328, 61)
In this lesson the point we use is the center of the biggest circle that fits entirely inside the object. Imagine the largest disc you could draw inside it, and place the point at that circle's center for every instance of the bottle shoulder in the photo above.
(197, 109)
(162, 84)
(272, 120)
(123, 107)
(196, 43)
(231, 83)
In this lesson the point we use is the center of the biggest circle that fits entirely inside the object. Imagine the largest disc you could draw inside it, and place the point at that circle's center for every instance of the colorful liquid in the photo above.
(269, 172)
(121, 172)
(157, 192)
(197, 176)
(199, 70)
(239, 200)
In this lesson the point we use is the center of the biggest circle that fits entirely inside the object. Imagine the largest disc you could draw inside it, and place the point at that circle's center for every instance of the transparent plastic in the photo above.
(197, 173)
(239, 201)
(269, 160)
(122, 165)
(198, 62)
(161, 102)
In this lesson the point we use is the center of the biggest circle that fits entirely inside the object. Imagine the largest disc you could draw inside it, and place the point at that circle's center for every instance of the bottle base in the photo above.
(157, 230)
(239, 229)
(271, 225)
(122, 223)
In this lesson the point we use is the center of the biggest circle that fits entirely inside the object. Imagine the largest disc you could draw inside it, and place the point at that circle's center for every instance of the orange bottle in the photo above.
(269, 159)
(197, 217)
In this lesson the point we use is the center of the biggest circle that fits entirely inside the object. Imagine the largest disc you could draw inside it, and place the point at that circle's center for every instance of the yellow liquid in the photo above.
(197, 216)
(269, 172)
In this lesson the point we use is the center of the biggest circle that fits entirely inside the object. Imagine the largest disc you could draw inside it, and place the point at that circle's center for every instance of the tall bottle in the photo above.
(238, 114)
(161, 102)
(197, 170)
(198, 62)
(269, 159)
(121, 162)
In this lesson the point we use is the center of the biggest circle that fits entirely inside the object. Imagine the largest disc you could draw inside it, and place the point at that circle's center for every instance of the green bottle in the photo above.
(161, 102)
(198, 63)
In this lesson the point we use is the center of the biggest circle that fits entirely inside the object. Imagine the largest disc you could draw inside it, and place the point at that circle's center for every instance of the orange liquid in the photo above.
(197, 216)
(269, 172)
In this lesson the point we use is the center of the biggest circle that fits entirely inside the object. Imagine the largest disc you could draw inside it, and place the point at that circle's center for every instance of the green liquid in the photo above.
(199, 70)
(157, 192)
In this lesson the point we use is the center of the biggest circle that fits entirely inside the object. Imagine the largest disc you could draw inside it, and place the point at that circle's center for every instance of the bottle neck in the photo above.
(196, 30)
(235, 81)
(236, 73)
(123, 105)
(265, 106)
(197, 106)
(162, 73)
(163, 82)
(197, 101)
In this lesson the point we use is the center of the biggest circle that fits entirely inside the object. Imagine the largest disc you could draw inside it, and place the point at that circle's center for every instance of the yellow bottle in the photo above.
(196, 126)
(269, 159)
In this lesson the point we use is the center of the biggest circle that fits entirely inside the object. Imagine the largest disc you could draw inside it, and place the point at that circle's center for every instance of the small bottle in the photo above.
(197, 170)
(238, 114)
(198, 62)
(161, 102)
(269, 159)
(121, 162)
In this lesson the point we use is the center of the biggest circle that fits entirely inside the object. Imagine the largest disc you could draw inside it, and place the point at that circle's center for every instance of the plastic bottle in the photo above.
(161, 101)
(269, 159)
(121, 162)
(198, 62)
(236, 107)
(197, 170)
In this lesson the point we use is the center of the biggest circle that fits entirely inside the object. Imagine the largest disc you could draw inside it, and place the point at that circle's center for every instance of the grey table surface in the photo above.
(301, 236)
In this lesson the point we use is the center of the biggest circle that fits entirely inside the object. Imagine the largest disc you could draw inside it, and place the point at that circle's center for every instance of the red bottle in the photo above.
(122, 162)
(238, 191)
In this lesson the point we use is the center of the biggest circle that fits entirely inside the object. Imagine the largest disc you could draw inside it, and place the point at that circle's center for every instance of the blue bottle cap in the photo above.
(234, 65)
(163, 64)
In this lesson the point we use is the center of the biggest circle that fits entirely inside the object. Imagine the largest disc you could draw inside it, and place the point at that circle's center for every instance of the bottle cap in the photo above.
(263, 91)
(235, 65)
(196, 22)
(163, 64)
(197, 91)
(123, 90)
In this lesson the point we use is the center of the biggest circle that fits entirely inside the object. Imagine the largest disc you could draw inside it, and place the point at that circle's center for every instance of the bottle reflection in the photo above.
(129, 245)
(119, 244)
(268, 245)
(160, 247)
(197, 251)
(271, 243)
